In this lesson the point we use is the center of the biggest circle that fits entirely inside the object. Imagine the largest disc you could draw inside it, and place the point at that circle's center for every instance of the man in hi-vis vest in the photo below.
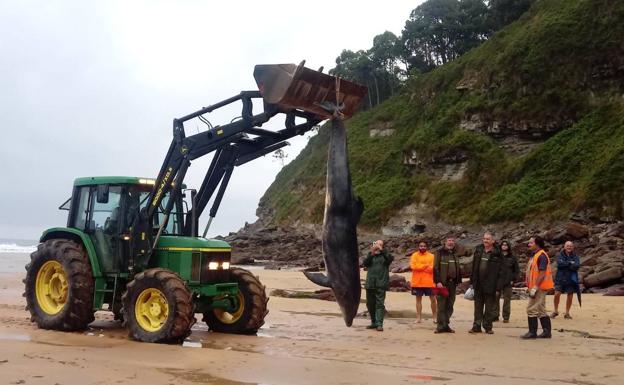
(539, 281)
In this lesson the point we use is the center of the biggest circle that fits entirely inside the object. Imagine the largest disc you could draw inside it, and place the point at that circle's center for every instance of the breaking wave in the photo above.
(15, 248)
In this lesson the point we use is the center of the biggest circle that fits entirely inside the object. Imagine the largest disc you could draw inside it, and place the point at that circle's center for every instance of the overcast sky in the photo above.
(91, 88)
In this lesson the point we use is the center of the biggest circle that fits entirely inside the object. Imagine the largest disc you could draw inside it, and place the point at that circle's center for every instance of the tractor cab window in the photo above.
(82, 211)
(104, 227)
(105, 216)
(175, 222)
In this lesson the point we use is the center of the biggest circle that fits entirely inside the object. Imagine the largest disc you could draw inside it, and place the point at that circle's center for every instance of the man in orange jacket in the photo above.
(539, 281)
(421, 263)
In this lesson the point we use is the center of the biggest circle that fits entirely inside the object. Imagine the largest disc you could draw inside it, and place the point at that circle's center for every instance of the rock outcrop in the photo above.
(600, 246)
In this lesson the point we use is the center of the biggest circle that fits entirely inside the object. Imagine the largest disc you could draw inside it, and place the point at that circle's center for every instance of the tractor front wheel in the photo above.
(252, 307)
(158, 307)
(59, 286)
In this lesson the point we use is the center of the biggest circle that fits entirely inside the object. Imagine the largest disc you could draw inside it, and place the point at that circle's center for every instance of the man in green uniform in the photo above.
(446, 276)
(486, 282)
(377, 263)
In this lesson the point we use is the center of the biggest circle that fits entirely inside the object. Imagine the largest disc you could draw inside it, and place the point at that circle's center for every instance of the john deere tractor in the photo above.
(132, 245)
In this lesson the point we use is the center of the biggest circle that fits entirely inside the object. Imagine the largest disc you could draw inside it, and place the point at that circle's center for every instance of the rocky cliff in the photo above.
(529, 126)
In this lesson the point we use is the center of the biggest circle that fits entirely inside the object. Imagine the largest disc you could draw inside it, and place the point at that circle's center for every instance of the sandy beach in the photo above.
(304, 341)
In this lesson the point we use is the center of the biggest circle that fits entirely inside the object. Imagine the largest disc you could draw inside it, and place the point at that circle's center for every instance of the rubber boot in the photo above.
(546, 328)
(532, 333)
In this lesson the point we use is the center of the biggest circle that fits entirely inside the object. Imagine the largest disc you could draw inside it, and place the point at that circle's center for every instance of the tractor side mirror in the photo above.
(184, 196)
(102, 193)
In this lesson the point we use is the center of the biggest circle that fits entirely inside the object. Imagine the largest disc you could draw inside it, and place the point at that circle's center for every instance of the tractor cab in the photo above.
(104, 208)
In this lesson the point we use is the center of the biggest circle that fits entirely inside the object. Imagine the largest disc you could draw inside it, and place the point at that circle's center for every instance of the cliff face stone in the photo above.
(414, 219)
(500, 128)
(445, 166)
(407, 221)
(381, 129)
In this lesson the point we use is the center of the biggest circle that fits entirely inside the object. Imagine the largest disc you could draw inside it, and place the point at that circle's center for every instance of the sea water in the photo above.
(15, 254)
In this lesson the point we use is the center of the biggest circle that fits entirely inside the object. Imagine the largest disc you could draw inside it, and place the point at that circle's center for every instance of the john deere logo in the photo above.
(162, 186)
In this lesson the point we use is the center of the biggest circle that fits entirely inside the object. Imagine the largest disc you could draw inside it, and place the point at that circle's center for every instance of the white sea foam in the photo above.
(14, 248)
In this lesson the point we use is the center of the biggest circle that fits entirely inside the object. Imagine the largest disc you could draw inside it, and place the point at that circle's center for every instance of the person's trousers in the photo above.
(537, 305)
(445, 307)
(484, 309)
(375, 299)
(506, 294)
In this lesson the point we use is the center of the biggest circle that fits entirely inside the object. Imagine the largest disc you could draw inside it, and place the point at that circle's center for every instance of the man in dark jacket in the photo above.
(446, 276)
(510, 272)
(486, 282)
(566, 279)
(377, 263)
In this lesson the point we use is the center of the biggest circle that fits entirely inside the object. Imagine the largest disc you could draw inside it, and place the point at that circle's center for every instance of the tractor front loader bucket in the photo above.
(296, 87)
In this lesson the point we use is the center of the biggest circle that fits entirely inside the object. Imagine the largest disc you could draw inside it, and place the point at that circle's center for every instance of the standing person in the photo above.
(446, 275)
(377, 280)
(539, 281)
(486, 282)
(509, 274)
(421, 263)
(566, 279)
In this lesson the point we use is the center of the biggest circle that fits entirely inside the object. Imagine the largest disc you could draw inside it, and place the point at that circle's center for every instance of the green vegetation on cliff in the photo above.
(553, 79)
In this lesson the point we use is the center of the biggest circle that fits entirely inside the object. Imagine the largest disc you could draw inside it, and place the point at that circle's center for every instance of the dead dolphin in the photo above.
(342, 214)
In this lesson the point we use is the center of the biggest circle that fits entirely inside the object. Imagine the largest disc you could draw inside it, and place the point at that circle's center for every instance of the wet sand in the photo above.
(305, 342)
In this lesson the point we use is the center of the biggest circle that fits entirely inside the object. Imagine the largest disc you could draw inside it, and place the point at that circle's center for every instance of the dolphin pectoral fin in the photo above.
(318, 278)
(357, 209)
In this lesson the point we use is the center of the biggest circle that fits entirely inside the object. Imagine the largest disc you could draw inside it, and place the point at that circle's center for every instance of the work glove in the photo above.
(533, 291)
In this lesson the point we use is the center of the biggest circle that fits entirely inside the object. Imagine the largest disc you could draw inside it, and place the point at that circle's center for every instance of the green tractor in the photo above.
(132, 245)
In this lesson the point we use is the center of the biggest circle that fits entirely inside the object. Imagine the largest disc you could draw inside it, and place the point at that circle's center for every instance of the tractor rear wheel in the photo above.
(59, 286)
(158, 307)
(252, 307)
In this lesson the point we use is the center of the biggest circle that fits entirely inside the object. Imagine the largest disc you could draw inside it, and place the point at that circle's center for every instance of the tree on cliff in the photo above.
(377, 68)
(503, 12)
(437, 32)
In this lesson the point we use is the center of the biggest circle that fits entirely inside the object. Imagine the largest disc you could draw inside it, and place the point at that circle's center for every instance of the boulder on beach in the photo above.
(242, 260)
(322, 294)
(400, 269)
(576, 230)
(615, 290)
(398, 283)
(603, 278)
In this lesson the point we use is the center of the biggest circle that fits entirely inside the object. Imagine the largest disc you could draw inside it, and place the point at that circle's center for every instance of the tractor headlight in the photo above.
(213, 265)
(225, 265)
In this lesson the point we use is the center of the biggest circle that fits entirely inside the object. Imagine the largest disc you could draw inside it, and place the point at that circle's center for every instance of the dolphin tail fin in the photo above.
(318, 278)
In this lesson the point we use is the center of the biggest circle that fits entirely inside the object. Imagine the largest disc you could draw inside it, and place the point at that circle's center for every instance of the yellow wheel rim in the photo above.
(151, 310)
(51, 287)
(230, 318)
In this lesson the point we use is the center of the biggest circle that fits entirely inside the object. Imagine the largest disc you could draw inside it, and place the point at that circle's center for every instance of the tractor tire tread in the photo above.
(258, 302)
(173, 287)
(78, 310)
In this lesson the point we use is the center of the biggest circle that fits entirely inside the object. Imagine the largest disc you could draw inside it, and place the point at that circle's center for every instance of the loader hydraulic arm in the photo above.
(293, 90)
(232, 146)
